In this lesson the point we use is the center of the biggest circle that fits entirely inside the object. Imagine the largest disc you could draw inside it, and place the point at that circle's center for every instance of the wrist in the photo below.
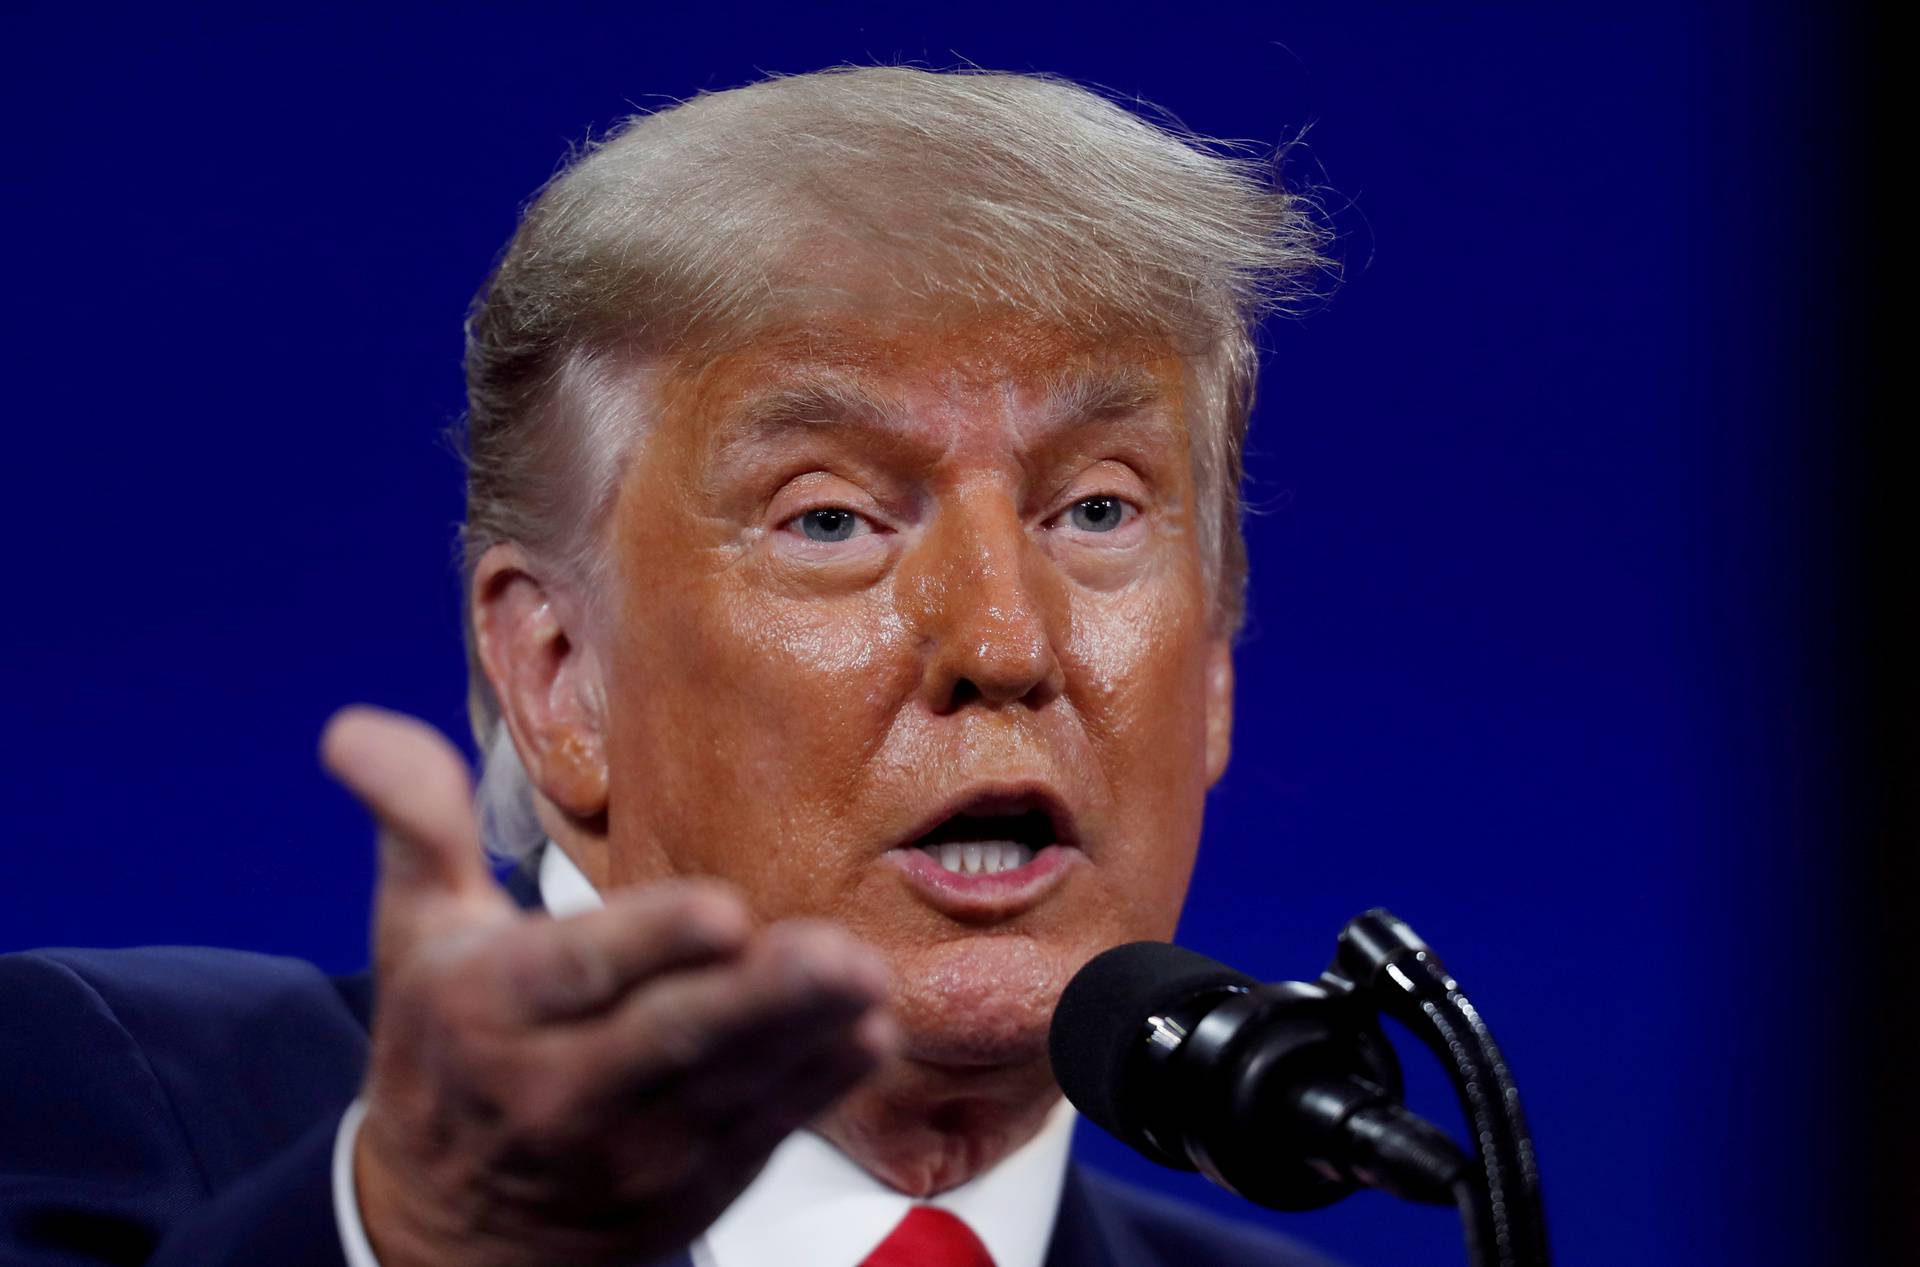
(389, 1213)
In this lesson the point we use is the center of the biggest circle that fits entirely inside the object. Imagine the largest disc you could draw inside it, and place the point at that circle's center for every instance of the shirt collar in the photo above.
(810, 1193)
(564, 887)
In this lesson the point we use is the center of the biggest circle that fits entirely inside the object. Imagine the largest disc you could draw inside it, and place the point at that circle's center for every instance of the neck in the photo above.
(923, 1129)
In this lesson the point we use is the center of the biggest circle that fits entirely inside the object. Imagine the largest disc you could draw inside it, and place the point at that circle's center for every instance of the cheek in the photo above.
(1140, 673)
(747, 720)
(808, 687)
(1143, 674)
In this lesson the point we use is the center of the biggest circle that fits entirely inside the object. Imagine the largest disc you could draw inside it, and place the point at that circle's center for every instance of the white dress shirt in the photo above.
(810, 1193)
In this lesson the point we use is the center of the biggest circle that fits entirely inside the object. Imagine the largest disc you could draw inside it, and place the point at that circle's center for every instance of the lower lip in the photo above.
(982, 897)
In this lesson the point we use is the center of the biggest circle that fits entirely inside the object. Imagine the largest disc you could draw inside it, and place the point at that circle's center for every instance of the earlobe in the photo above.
(546, 679)
(1219, 708)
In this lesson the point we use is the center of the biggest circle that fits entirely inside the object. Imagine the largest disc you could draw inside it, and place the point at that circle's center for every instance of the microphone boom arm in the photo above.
(1289, 1093)
(1500, 1204)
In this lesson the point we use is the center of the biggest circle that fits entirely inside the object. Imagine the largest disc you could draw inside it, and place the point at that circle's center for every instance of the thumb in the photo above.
(415, 784)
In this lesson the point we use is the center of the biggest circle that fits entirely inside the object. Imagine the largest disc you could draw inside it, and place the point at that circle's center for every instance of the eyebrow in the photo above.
(812, 400)
(805, 402)
(1098, 393)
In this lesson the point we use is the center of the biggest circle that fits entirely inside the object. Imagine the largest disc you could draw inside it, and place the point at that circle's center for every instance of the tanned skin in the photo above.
(864, 570)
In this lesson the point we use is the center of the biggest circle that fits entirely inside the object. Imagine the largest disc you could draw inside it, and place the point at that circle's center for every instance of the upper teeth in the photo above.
(981, 859)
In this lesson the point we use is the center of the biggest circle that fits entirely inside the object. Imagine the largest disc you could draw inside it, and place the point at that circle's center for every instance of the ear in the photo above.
(1219, 689)
(546, 679)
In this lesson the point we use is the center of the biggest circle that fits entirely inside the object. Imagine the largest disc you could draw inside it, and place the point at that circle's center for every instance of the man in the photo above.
(853, 559)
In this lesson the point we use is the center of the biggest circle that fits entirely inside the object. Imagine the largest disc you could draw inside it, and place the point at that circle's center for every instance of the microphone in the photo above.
(1286, 1093)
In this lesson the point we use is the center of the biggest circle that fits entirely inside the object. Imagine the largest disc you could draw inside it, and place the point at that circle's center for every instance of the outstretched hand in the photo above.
(593, 1090)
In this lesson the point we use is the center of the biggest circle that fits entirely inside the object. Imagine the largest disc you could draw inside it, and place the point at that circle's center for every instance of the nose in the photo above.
(987, 610)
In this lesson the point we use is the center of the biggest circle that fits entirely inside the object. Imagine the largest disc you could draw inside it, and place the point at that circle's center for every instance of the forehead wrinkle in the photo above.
(1062, 400)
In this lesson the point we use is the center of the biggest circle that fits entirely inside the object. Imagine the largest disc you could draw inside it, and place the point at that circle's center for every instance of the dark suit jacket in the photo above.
(177, 1107)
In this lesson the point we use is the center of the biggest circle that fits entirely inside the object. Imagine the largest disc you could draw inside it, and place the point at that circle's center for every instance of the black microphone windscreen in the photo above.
(1102, 1015)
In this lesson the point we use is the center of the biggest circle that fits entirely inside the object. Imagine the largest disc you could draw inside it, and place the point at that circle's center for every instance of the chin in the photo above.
(980, 1001)
(972, 1047)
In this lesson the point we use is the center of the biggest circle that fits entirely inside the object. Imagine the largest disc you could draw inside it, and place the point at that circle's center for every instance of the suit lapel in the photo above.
(357, 993)
(1087, 1232)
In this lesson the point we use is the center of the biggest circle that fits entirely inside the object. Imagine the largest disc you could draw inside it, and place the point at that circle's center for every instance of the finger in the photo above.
(433, 877)
(558, 970)
(800, 1069)
(793, 1088)
(415, 785)
(793, 981)
(808, 1086)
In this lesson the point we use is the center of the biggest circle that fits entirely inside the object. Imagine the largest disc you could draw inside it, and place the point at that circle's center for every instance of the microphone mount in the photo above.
(1384, 961)
(1289, 1093)
(1297, 1059)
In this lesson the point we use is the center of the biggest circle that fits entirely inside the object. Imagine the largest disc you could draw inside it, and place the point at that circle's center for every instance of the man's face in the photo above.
(901, 598)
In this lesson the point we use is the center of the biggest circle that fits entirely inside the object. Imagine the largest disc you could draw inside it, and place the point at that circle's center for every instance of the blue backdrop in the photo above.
(1540, 654)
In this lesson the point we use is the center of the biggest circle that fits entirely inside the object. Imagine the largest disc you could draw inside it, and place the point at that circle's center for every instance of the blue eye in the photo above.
(829, 523)
(1097, 514)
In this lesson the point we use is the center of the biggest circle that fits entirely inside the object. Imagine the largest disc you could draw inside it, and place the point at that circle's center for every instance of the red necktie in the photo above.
(928, 1237)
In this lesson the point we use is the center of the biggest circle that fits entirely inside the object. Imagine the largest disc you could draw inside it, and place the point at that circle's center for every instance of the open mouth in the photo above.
(992, 854)
(991, 832)
(974, 843)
